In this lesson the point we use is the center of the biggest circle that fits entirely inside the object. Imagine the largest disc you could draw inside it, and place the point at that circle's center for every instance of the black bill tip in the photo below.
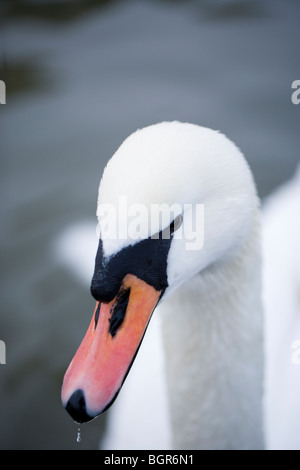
(76, 407)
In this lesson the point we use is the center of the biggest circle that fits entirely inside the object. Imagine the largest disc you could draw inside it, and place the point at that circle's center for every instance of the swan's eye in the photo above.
(176, 223)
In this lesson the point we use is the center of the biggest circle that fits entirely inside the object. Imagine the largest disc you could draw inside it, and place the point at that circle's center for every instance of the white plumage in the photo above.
(210, 322)
(281, 294)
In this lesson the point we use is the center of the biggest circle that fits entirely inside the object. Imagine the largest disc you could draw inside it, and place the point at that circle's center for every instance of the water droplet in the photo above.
(78, 435)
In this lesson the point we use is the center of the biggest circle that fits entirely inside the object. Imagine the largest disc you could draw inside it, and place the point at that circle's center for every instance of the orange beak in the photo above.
(102, 362)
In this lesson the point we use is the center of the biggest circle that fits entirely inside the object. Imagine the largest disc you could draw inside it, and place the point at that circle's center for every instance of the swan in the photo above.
(208, 300)
(281, 301)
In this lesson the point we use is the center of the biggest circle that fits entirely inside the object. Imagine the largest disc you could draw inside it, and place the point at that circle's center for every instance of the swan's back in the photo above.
(281, 249)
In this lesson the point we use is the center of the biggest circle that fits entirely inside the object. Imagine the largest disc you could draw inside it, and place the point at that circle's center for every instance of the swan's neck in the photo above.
(215, 377)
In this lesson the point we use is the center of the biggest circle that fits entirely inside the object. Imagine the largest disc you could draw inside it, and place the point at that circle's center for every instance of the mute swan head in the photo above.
(142, 259)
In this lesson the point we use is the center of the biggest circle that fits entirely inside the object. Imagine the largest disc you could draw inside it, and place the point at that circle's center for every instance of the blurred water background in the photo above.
(80, 77)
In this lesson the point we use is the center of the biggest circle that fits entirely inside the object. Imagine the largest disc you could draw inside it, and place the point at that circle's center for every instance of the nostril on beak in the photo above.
(76, 407)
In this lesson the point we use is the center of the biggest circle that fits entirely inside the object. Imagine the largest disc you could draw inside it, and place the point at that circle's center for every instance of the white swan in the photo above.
(281, 289)
(215, 378)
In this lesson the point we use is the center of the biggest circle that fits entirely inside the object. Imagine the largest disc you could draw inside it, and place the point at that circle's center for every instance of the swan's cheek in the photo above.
(108, 349)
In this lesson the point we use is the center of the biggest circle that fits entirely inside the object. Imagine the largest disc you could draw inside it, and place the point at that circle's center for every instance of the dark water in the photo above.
(79, 80)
